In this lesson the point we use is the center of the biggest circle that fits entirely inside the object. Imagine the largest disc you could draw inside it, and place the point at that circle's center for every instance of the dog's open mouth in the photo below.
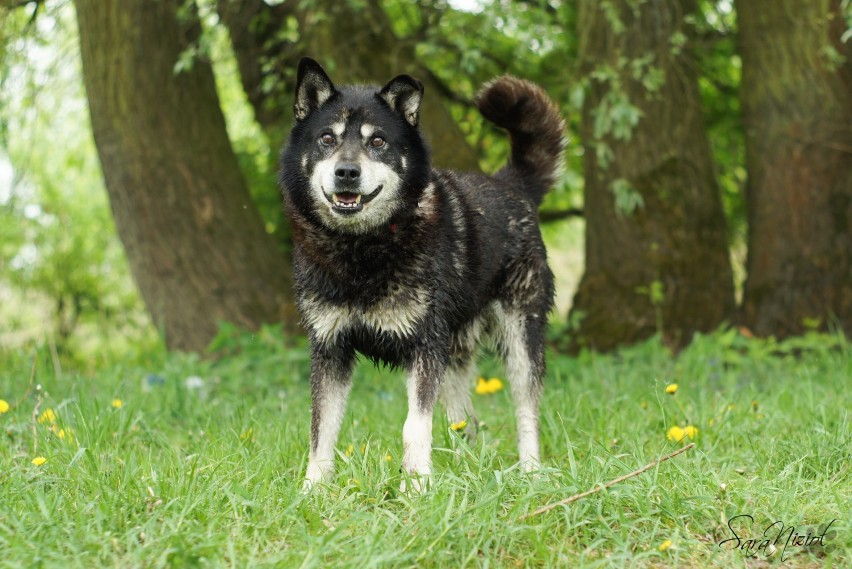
(346, 200)
(351, 202)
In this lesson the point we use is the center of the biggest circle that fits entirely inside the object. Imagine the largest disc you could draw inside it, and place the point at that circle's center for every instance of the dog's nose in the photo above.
(347, 173)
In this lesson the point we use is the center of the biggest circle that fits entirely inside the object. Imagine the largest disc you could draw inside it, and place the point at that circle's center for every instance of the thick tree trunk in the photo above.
(797, 110)
(664, 267)
(354, 40)
(195, 242)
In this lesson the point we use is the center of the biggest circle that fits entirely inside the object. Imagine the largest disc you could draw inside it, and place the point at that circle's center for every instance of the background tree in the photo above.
(656, 249)
(194, 240)
(355, 39)
(796, 86)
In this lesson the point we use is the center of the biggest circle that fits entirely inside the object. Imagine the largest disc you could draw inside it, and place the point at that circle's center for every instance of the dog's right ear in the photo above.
(313, 88)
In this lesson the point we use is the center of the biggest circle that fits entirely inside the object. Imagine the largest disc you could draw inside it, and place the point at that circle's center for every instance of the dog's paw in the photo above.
(315, 475)
(310, 483)
(532, 469)
(415, 484)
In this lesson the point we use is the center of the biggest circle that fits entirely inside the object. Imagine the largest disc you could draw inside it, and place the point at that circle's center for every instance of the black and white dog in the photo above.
(412, 266)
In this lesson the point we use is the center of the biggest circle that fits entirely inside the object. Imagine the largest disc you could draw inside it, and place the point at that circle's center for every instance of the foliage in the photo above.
(207, 472)
(59, 252)
(466, 49)
(719, 79)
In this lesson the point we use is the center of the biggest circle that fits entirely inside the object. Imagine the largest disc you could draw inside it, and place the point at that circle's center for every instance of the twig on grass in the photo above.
(581, 495)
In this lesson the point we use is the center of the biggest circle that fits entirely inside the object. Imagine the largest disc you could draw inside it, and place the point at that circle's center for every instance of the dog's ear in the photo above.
(403, 94)
(313, 88)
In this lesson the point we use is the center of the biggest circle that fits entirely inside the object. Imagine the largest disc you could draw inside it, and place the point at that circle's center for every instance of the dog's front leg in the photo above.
(331, 381)
(424, 379)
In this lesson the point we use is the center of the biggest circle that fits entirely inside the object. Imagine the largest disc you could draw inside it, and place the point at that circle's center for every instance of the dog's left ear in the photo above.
(403, 94)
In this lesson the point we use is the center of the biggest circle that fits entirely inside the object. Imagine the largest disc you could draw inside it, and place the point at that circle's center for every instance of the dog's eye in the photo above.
(327, 139)
(377, 142)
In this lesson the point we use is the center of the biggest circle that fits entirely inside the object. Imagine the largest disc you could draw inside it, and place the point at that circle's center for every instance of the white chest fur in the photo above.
(396, 313)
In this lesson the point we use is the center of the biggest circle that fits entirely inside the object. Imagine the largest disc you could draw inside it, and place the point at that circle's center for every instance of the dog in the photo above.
(414, 267)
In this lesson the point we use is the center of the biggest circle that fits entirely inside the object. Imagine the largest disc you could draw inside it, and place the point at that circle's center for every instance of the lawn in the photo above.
(170, 460)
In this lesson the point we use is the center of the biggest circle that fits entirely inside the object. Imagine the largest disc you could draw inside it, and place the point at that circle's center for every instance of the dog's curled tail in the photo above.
(536, 130)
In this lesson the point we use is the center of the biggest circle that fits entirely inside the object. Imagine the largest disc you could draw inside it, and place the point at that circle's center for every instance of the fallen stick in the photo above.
(581, 495)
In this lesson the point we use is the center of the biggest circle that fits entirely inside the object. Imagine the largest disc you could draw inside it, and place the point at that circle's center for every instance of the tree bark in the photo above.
(355, 42)
(664, 267)
(195, 243)
(797, 110)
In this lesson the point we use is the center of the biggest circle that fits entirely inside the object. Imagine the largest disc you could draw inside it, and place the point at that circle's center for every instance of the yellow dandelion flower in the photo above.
(39, 460)
(66, 435)
(690, 431)
(665, 545)
(675, 434)
(350, 450)
(488, 386)
(48, 416)
(117, 403)
(671, 388)
(458, 426)
(4, 406)
(387, 458)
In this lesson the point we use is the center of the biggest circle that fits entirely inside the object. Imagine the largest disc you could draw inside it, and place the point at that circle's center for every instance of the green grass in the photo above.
(211, 478)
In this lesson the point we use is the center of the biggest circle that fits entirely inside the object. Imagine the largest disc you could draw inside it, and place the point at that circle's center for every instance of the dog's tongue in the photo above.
(346, 197)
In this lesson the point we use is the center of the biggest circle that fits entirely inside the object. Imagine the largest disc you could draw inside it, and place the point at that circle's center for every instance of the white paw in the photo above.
(316, 474)
(531, 465)
(416, 484)
(307, 485)
(532, 469)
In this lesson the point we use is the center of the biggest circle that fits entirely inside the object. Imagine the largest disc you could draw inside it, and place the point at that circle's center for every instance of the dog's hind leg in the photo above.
(455, 393)
(522, 347)
(331, 381)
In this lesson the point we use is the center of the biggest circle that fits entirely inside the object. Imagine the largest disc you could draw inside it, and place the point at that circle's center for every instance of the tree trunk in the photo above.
(355, 41)
(797, 110)
(664, 267)
(195, 243)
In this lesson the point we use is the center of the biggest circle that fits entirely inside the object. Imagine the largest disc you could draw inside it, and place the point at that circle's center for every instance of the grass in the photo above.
(209, 476)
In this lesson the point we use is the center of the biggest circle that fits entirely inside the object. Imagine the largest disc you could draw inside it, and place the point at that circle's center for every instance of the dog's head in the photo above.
(355, 158)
